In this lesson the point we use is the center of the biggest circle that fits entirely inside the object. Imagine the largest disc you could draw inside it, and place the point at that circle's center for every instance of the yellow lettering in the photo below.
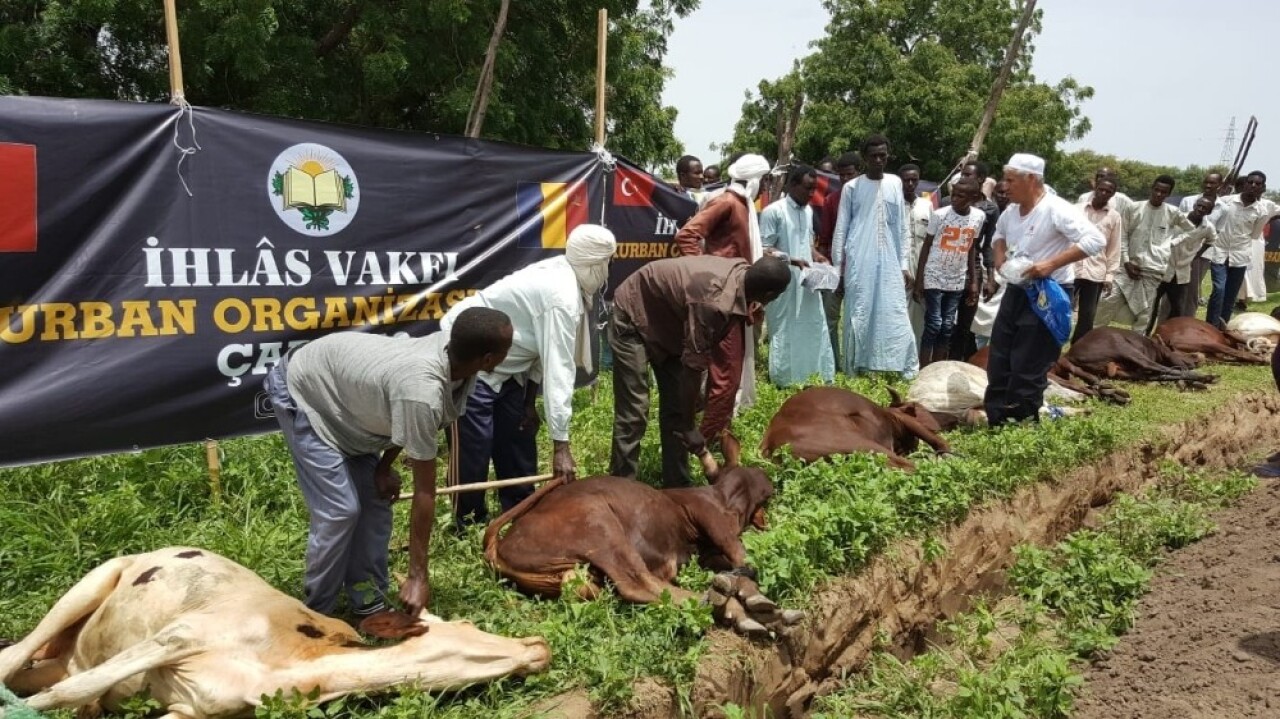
(266, 314)
(308, 320)
(335, 313)
(59, 321)
(27, 327)
(432, 310)
(175, 316)
(96, 319)
(367, 309)
(225, 310)
(136, 320)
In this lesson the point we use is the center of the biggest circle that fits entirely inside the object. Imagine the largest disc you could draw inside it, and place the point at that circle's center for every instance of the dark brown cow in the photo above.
(822, 421)
(625, 531)
(1061, 376)
(1195, 336)
(1114, 353)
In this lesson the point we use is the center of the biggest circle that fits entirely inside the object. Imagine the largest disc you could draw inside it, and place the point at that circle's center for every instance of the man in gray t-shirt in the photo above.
(348, 404)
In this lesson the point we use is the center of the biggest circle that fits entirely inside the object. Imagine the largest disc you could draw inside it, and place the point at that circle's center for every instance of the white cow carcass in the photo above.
(1259, 332)
(206, 637)
(957, 389)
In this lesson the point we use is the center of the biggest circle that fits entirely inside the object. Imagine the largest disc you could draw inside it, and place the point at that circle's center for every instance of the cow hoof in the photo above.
(792, 617)
(726, 584)
(752, 629)
(716, 599)
(762, 608)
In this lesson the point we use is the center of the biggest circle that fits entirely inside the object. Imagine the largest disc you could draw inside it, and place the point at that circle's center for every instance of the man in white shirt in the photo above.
(1209, 188)
(919, 211)
(1052, 234)
(1178, 276)
(1119, 201)
(1242, 219)
(549, 304)
(1145, 248)
(1095, 275)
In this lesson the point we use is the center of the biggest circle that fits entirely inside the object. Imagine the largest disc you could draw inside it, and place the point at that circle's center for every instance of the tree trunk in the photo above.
(480, 103)
(789, 123)
(1010, 57)
(340, 31)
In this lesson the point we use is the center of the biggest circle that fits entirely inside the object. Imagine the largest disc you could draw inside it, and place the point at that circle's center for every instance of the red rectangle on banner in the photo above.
(17, 197)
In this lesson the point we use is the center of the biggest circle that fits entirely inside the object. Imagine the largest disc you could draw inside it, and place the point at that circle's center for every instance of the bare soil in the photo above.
(1207, 639)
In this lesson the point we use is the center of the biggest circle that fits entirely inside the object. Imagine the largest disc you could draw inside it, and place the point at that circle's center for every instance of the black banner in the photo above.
(156, 262)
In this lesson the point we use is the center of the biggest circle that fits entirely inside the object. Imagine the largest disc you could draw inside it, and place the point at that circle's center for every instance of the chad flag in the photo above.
(18, 188)
(548, 212)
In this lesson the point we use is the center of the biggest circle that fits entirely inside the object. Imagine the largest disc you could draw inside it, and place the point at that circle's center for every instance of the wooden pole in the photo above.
(602, 46)
(480, 486)
(215, 470)
(1010, 57)
(480, 103)
(176, 96)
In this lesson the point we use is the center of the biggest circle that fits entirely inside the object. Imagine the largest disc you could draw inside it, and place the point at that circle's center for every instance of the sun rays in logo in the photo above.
(311, 184)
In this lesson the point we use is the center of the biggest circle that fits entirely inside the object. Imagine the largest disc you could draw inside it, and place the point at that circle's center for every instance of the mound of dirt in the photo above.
(1207, 639)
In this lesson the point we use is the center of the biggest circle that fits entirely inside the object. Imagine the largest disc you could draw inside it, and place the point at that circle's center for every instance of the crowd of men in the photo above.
(874, 279)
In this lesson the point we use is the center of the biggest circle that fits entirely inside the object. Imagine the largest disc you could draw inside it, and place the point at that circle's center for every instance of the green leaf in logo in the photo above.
(348, 187)
(277, 184)
(316, 218)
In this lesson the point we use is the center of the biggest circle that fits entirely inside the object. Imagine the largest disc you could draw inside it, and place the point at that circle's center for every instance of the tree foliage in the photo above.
(405, 64)
(919, 71)
(1073, 173)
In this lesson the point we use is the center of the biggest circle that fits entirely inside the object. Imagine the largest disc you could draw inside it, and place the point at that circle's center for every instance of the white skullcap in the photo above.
(589, 244)
(749, 167)
(1026, 163)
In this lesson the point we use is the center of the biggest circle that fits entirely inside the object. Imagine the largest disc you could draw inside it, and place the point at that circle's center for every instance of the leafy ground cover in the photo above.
(1022, 657)
(64, 518)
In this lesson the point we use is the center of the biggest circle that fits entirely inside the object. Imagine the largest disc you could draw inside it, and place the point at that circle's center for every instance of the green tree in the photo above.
(920, 72)
(1074, 173)
(404, 64)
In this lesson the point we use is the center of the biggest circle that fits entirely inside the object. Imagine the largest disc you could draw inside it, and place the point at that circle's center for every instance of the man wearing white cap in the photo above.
(1050, 234)
(549, 303)
(728, 226)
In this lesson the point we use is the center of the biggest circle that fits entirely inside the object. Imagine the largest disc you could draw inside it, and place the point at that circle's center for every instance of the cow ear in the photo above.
(732, 449)
(895, 399)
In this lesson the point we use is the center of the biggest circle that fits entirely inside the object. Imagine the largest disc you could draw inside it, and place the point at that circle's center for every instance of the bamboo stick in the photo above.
(480, 486)
(176, 96)
(215, 469)
(602, 44)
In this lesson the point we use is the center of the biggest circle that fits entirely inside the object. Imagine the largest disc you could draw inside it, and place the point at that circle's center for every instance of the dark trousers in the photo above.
(1191, 299)
(631, 405)
(832, 301)
(1022, 352)
(1175, 293)
(1226, 285)
(1087, 295)
(963, 343)
(490, 429)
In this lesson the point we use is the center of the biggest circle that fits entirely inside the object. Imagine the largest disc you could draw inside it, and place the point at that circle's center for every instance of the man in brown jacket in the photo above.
(671, 315)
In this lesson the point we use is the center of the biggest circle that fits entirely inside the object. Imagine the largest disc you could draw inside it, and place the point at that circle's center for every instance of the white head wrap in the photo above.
(588, 251)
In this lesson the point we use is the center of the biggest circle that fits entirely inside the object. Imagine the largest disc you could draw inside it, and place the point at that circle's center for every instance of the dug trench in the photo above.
(903, 594)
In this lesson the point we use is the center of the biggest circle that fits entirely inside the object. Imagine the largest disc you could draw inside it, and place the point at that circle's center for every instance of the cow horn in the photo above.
(895, 399)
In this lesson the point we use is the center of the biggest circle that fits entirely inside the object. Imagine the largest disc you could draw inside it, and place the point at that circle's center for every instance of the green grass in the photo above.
(1023, 658)
(62, 519)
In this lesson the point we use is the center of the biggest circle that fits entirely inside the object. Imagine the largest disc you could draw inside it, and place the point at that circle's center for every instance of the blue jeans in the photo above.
(1226, 286)
(940, 308)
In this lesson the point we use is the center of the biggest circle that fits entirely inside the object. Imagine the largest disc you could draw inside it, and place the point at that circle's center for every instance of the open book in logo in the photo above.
(314, 189)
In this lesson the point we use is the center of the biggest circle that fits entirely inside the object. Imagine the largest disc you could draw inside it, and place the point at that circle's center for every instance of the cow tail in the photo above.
(509, 516)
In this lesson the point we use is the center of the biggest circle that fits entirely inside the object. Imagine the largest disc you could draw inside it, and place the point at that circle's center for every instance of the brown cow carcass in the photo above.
(1060, 376)
(206, 637)
(636, 537)
(823, 421)
(1114, 353)
(1197, 337)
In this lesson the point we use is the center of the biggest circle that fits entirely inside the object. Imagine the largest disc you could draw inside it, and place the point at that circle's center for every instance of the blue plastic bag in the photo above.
(1052, 305)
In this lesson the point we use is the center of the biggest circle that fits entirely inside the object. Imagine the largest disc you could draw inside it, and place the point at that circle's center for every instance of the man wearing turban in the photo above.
(549, 303)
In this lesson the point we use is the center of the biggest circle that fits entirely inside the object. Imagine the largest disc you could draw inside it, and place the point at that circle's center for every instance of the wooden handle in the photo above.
(481, 486)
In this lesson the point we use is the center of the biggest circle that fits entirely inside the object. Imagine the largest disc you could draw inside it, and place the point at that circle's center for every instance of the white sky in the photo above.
(1159, 94)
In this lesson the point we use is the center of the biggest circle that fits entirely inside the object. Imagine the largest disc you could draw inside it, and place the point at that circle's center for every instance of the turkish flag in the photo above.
(18, 188)
(632, 188)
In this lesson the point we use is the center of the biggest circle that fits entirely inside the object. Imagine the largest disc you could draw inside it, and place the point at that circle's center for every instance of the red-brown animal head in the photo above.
(1176, 359)
(914, 410)
(746, 490)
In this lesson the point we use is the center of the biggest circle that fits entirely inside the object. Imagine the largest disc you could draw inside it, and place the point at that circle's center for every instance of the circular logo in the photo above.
(313, 189)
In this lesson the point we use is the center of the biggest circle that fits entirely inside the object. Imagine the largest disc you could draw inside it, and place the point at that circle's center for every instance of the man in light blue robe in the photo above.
(799, 344)
(872, 246)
